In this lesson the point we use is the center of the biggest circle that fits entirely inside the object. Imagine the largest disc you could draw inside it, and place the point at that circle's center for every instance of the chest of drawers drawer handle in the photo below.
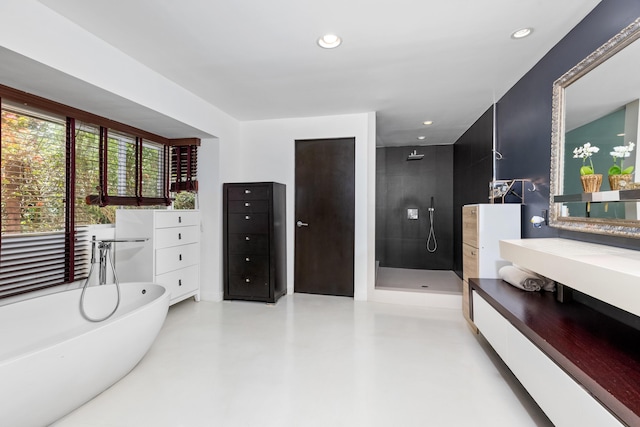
(180, 257)
(247, 280)
(179, 236)
(247, 238)
(247, 191)
(247, 217)
(179, 282)
(247, 259)
(179, 220)
(247, 204)
(474, 253)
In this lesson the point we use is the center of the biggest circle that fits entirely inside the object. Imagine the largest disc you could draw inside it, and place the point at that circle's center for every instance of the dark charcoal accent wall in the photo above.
(402, 184)
(473, 166)
(524, 114)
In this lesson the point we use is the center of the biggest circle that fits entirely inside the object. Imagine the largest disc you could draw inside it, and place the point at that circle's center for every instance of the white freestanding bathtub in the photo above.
(52, 360)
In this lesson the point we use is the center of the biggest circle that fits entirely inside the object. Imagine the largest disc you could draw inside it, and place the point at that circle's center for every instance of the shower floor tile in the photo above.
(440, 281)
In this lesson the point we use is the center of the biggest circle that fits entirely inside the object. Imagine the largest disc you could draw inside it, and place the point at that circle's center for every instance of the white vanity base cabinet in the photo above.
(564, 401)
(170, 256)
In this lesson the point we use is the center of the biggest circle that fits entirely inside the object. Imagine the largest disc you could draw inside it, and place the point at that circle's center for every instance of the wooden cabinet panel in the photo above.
(248, 192)
(469, 262)
(483, 226)
(254, 241)
(248, 206)
(470, 225)
(248, 223)
(247, 243)
(253, 265)
(249, 287)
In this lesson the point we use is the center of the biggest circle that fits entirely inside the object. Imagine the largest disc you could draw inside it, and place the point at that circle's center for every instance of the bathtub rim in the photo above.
(87, 327)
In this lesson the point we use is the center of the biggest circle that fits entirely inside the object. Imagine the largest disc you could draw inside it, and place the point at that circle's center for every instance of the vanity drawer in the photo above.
(180, 282)
(470, 225)
(470, 262)
(249, 265)
(249, 192)
(248, 244)
(176, 257)
(248, 223)
(177, 219)
(166, 237)
(248, 206)
(248, 286)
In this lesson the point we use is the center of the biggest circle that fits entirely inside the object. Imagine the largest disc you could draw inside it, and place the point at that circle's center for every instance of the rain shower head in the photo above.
(415, 156)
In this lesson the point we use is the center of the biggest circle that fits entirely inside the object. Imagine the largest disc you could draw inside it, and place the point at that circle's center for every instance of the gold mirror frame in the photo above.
(624, 228)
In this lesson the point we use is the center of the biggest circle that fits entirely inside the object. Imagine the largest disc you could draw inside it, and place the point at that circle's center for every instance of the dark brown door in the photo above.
(325, 212)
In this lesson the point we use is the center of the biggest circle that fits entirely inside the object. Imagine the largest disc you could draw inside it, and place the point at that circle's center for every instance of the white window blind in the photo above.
(36, 245)
(38, 260)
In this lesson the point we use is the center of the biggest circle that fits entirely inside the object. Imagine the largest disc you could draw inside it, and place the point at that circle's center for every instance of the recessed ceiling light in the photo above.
(422, 137)
(522, 33)
(329, 41)
(427, 123)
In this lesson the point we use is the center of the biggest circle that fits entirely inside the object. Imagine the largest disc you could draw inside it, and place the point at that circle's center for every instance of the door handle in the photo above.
(302, 224)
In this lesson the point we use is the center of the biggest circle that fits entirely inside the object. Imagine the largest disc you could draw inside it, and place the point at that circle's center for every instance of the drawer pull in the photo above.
(247, 204)
(179, 282)
(247, 259)
(179, 236)
(247, 280)
(247, 191)
(473, 253)
(247, 217)
(180, 257)
(179, 220)
(247, 238)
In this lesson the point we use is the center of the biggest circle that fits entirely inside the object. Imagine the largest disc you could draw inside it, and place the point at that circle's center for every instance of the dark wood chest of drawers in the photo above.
(254, 233)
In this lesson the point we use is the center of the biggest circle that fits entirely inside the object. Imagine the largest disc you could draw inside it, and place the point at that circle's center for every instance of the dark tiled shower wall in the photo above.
(402, 184)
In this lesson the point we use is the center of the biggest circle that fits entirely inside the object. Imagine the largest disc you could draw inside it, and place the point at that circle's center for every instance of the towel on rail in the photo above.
(525, 279)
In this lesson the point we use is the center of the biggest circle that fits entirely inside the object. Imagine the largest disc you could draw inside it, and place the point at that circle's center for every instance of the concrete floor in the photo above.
(313, 360)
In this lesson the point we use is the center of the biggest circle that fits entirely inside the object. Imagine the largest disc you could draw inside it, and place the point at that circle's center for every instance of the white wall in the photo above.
(268, 154)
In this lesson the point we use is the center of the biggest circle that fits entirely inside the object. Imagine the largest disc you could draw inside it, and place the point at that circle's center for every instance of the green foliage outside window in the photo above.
(34, 172)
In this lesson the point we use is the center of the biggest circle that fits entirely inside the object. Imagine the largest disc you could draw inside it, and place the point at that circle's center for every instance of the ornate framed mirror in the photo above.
(597, 102)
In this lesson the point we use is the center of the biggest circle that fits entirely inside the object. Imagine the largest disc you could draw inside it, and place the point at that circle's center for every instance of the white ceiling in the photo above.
(408, 60)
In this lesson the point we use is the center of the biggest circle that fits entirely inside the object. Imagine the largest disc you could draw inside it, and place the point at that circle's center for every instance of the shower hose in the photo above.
(432, 244)
(86, 282)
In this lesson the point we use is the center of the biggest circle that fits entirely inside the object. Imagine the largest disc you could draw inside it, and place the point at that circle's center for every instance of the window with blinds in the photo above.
(64, 169)
(184, 168)
(37, 244)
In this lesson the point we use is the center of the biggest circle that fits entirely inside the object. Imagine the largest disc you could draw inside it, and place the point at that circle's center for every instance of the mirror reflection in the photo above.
(598, 103)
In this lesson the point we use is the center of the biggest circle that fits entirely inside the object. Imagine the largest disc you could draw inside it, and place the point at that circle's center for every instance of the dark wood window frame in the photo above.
(103, 198)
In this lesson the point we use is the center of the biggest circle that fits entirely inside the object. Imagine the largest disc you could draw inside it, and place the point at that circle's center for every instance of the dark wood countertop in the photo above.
(599, 352)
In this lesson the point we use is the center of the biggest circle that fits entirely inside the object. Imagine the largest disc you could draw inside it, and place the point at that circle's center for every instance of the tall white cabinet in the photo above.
(170, 256)
(483, 226)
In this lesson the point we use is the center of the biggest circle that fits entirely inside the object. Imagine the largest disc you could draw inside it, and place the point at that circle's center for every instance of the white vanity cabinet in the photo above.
(170, 256)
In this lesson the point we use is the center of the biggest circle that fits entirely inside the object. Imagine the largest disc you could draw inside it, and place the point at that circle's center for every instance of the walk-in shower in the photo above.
(414, 219)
